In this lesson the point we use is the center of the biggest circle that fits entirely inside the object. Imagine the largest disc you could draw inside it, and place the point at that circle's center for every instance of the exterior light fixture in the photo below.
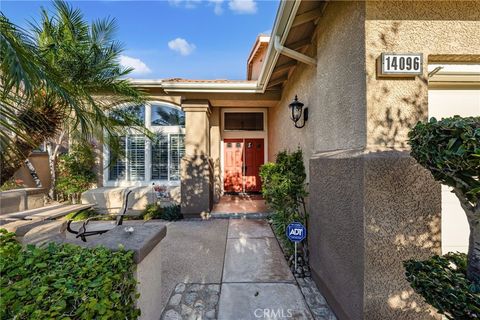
(297, 111)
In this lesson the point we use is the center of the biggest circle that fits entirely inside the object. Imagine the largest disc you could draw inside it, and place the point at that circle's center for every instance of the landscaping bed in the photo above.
(65, 281)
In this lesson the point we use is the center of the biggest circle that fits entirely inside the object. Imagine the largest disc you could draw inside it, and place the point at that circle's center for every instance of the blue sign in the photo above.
(296, 232)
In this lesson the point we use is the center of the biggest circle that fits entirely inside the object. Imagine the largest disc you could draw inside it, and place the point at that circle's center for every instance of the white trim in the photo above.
(168, 130)
(292, 53)
(230, 134)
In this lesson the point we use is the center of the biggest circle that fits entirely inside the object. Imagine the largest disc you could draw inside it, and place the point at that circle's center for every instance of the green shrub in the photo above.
(76, 171)
(283, 187)
(64, 281)
(450, 150)
(12, 184)
(172, 213)
(442, 281)
(84, 215)
(154, 211)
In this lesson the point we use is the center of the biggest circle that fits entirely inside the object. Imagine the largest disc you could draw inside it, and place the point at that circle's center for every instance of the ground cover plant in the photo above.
(169, 213)
(442, 282)
(64, 281)
(283, 187)
(450, 150)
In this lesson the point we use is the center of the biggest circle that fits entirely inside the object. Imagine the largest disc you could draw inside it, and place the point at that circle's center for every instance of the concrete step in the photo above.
(58, 212)
(239, 215)
(23, 214)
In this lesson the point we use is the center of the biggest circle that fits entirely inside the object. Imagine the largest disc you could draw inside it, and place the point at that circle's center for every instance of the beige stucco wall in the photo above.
(371, 206)
(429, 27)
(215, 139)
(40, 163)
(334, 91)
(197, 166)
(257, 63)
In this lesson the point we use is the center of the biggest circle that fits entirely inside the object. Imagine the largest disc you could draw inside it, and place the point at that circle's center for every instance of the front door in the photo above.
(243, 158)
(233, 171)
(254, 156)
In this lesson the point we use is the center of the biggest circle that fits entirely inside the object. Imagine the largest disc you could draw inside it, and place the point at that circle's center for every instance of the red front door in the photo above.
(233, 172)
(254, 156)
(243, 158)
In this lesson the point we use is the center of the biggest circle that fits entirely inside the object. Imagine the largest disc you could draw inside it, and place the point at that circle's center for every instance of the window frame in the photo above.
(224, 118)
(167, 130)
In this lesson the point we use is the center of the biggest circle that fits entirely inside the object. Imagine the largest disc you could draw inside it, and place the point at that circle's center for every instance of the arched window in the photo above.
(136, 112)
(162, 163)
(164, 115)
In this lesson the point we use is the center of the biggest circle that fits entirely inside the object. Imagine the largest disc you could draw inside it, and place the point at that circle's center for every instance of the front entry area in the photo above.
(242, 161)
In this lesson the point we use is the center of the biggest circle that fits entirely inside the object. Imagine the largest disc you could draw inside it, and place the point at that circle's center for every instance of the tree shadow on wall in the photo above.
(402, 221)
(396, 104)
(197, 184)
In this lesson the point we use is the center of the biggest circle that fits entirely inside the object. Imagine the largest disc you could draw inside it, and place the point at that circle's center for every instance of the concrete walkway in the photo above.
(232, 270)
(256, 281)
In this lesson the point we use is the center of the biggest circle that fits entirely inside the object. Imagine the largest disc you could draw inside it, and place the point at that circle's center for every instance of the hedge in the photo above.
(64, 281)
(284, 190)
(442, 281)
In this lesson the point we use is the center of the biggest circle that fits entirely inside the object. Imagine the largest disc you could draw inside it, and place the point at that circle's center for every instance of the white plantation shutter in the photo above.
(136, 158)
(118, 168)
(177, 151)
(160, 158)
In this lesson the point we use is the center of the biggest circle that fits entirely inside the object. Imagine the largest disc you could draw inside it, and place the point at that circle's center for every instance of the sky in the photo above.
(193, 39)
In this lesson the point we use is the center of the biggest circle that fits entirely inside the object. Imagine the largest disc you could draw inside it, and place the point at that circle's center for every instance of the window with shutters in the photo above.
(160, 157)
(118, 165)
(130, 165)
(136, 158)
(177, 151)
(157, 159)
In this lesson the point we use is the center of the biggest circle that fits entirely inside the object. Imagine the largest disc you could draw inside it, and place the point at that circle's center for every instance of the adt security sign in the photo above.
(296, 232)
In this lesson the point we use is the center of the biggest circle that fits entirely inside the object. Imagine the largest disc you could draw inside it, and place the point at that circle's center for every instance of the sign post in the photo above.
(296, 232)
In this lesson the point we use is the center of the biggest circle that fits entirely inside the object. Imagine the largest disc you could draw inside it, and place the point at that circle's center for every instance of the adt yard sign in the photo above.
(401, 64)
(296, 232)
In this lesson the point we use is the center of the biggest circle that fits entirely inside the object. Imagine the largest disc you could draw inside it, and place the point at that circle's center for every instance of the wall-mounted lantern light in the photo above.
(297, 111)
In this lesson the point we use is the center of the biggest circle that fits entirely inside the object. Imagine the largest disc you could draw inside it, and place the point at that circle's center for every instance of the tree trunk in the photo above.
(39, 124)
(53, 171)
(33, 173)
(53, 147)
(472, 210)
(473, 267)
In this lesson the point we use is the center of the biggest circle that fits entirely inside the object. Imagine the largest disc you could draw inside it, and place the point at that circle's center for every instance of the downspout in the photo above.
(292, 53)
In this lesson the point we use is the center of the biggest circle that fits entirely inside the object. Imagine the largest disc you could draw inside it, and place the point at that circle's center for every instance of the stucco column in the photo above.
(196, 179)
(215, 141)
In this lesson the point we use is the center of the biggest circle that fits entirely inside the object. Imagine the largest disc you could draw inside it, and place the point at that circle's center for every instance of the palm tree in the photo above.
(22, 72)
(89, 81)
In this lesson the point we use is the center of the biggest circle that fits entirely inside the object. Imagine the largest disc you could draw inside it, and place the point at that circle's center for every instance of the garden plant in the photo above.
(450, 150)
(283, 187)
(64, 281)
(75, 172)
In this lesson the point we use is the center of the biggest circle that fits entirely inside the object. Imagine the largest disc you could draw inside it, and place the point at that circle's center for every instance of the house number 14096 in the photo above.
(407, 64)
